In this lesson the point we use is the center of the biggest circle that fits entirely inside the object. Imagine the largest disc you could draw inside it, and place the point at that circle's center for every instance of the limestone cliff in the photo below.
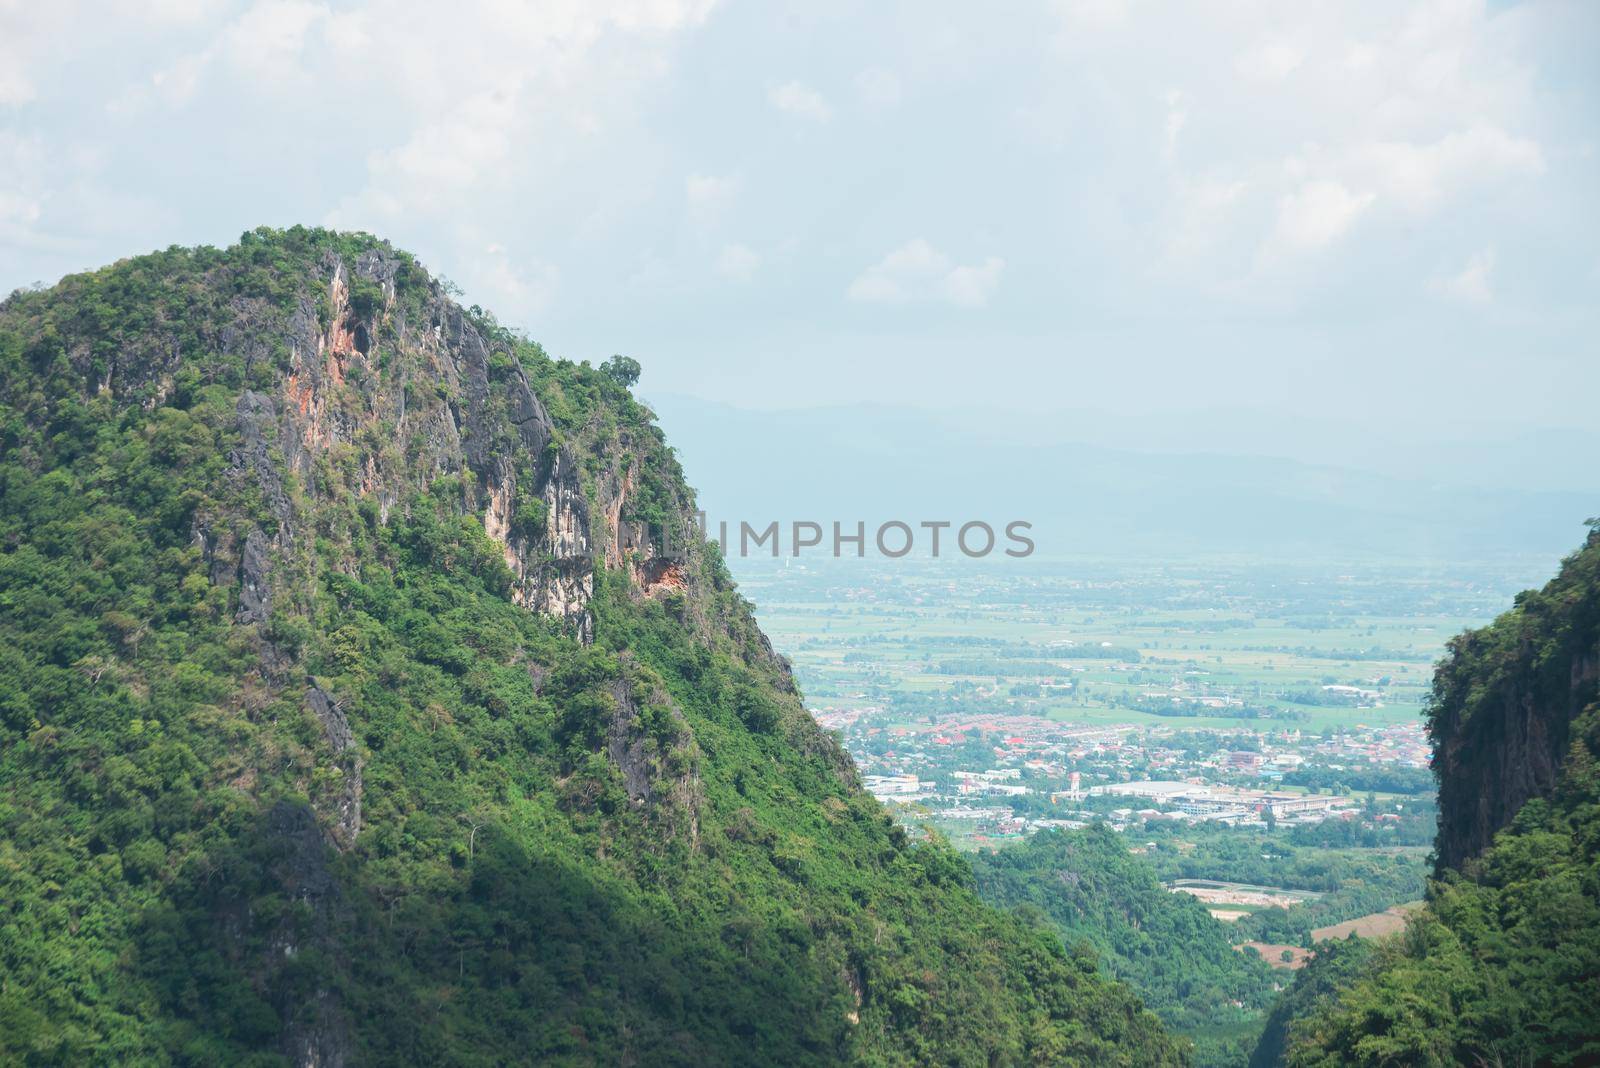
(384, 397)
(1503, 703)
(367, 697)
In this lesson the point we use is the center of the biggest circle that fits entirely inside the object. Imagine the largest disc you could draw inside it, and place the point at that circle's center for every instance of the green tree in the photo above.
(624, 370)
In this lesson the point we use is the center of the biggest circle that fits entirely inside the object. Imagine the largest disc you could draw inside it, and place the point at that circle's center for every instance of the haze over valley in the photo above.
(682, 533)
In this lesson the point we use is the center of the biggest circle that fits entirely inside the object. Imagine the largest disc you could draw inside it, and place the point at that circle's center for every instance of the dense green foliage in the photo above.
(1335, 965)
(1503, 702)
(1320, 776)
(634, 851)
(1165, 945)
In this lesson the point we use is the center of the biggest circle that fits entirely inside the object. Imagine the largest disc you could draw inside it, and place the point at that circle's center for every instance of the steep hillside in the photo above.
(1504, 701)
(1336, 965)
(1164, 945)
(1503, 966)
(366, 698)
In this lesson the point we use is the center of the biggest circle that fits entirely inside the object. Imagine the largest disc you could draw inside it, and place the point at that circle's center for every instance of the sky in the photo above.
(1376, 216)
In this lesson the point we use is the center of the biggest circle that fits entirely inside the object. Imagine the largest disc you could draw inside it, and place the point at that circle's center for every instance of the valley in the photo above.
(357, 705)
(993, 701)
(1251, 737)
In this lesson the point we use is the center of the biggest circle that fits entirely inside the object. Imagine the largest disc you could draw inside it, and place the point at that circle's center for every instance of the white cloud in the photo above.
(15, 87)
(263, 46)
(1319, 213)
(22, 161)
(24, 186)
(1472, 283)
(1270, 62)
(32, 39)
(174, 84)
(1177, 115)
(706, 191)
(518, 286)
(801, 101)
(1337, 126)
(17, 208)
(1331, 189)
(178, 11)
(273, 34)
(916, 271)
(737, 262)
(1203, 211)
(496, 119)
(879, 89)
(971, 287)
(1419, 175)
(1093, 14)
(441, 162)
(1155, 161)
(444, 128)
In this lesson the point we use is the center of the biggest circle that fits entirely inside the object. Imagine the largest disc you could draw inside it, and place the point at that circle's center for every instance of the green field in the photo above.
(923, 637)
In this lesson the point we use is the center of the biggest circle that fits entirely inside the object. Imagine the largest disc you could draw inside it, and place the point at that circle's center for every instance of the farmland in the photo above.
(1202, 646)
(1374, 925)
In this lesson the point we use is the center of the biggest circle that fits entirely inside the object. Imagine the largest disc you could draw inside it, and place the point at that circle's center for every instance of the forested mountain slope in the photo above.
(364, 698)
(1335, 966)
(1503, 966)
(1504, 703)
(1165, 945)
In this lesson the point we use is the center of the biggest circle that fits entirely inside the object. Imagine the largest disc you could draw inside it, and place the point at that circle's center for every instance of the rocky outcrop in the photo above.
(1489, 766)
(659, 767)
(253, 461)
(253, 474)
(1504, 701)
(255, 580)
(346, 815)
(658, 575)
(399, 400)
(316, 1031)
(556, 571)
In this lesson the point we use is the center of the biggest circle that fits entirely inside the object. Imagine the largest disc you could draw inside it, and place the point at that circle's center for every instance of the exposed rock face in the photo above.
(346, 821)
(255, 580)
(659, 770)
(358, 393)
(382, 404)
(377, 401)
(258, 418)
(317, 1034)
(321, 1037)
(1489, 767)
(562, 583)
(657, 575)
(392, 404)
(1504, 702)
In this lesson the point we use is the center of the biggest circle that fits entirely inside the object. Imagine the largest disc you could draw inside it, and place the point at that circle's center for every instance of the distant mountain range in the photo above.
(877, 463)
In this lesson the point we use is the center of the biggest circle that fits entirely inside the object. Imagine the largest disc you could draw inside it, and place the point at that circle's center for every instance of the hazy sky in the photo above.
(1377, 210)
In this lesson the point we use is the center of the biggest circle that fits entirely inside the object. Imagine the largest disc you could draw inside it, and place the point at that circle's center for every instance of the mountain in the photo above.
(366, 698)
(1503, 965)
(1172, 499)
(1335, 965)
(1165, 945)
(1505, 702)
